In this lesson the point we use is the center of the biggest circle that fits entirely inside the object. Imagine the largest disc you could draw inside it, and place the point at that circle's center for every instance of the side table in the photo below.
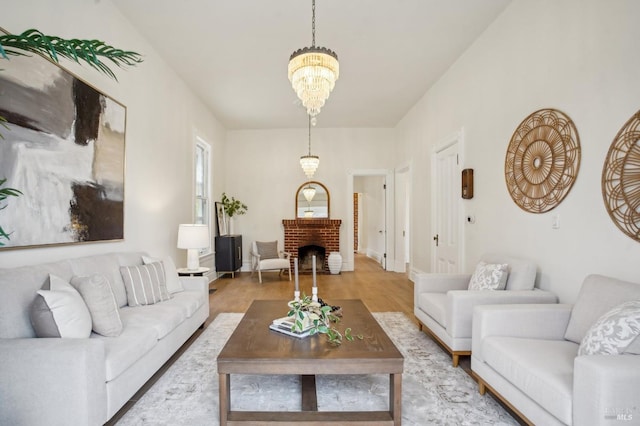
(184, 272)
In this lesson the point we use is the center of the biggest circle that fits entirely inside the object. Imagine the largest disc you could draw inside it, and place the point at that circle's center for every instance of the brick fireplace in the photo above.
(306, 237)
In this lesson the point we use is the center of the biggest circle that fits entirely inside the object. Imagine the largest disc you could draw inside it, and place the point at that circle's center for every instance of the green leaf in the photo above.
(89, 51)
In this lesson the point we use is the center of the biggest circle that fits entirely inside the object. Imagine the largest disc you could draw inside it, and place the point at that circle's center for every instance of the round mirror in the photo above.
(312, 201)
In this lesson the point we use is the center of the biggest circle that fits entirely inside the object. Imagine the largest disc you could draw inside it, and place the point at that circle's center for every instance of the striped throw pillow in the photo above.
(145, 284)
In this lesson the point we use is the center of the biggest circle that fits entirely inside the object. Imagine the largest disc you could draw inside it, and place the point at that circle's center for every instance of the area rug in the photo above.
(433, 392)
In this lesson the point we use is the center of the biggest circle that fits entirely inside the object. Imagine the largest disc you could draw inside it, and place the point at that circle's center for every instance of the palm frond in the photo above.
(3, 123)
(92, 52)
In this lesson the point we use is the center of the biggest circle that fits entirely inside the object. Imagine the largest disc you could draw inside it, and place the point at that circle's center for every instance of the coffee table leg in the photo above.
(309, 394)
(395, 398)
(224, 391)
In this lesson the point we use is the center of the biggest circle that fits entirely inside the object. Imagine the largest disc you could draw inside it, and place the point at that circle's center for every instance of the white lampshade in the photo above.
(193, 237)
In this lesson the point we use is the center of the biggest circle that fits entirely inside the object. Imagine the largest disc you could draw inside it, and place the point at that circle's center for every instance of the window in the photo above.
(202, 183)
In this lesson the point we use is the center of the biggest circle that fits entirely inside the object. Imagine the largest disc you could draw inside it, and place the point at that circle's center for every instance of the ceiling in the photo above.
(234, 53)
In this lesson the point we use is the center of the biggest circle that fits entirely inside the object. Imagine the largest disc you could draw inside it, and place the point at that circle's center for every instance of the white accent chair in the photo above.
(443, 305)
(528, 356)
(265, 256)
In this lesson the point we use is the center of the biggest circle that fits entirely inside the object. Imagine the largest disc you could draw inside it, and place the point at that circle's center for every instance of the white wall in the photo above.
(162, 118)
(263, 171)
(578, 56)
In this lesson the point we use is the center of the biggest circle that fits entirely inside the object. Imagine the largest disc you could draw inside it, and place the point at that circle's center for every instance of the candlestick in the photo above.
(313, 269)
(314, 290)
(296, 293)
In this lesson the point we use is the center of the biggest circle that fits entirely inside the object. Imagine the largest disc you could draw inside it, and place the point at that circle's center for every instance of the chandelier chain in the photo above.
(309, 135)
(313, 23)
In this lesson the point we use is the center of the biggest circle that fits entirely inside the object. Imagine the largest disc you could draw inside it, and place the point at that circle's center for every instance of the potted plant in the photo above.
(232, 207)
(318, 317)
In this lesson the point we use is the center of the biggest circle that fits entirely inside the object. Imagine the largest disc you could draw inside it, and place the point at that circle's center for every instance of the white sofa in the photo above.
(527, 355)
(443, 305)
(85, 381)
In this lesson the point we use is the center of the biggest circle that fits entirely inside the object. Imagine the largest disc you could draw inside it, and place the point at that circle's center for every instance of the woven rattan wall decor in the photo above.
(542, 161)
(621, 178)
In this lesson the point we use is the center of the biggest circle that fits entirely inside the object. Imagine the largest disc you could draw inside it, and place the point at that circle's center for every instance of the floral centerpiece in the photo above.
(319, 318)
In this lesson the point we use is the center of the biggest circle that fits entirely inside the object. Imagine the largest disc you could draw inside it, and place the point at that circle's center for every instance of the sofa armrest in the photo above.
(52, 381)
(460, 304)
(605, 389)
(195, 283)
(438, 283)
(536, 321)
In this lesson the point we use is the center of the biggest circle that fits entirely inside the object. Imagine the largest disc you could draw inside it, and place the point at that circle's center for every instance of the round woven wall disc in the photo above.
(621, 178)
(542, 161)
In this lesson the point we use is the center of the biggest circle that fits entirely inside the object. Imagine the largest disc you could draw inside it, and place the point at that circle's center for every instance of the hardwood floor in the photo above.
(380, 290)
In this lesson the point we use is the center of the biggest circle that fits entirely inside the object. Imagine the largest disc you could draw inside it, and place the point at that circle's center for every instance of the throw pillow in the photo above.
(171, 274)
(267, 250)
(489, 276)
(59, 311)
(145, 284)
(613, 332)
(99, 298)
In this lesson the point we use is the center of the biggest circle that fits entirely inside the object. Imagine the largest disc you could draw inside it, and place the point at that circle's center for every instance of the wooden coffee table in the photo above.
(255, 349)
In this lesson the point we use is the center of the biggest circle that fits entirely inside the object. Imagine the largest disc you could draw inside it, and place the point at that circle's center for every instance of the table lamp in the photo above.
(193, 237)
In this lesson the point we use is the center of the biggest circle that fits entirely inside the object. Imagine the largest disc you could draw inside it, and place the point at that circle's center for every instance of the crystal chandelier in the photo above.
(309, 163)
(309, 192)
(313, 71)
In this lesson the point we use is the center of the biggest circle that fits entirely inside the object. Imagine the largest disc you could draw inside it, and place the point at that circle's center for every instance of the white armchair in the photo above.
(265, 256)
(529, 357)
(443, 305)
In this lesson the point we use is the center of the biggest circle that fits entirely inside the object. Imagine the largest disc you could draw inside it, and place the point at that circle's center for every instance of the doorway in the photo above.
(372, 219)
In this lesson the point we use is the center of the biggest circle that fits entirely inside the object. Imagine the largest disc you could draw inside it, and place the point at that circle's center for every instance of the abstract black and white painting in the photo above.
(63, 148)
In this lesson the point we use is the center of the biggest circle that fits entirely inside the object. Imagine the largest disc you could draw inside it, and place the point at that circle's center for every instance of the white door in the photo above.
(446, 196)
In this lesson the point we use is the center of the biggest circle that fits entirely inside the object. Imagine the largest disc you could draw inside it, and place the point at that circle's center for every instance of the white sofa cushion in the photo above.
(59, 311)
(188, 301)
(19, 287)
(434, 305)
(145, 284)
(598, 295)
(99, 298)
(522, 272)
(614, 332)
(489, 276)
(542, 369)
(161, 317)
(274, 264)
(131, 345)
(170, 272)
(104, 264)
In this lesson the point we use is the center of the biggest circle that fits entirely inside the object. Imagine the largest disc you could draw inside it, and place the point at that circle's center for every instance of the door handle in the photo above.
(436, 239)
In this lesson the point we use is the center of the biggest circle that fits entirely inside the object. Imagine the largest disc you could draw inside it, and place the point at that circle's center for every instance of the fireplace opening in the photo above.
(305, 258)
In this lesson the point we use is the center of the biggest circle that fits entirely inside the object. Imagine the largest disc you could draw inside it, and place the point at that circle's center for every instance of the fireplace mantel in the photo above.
(320, 232)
